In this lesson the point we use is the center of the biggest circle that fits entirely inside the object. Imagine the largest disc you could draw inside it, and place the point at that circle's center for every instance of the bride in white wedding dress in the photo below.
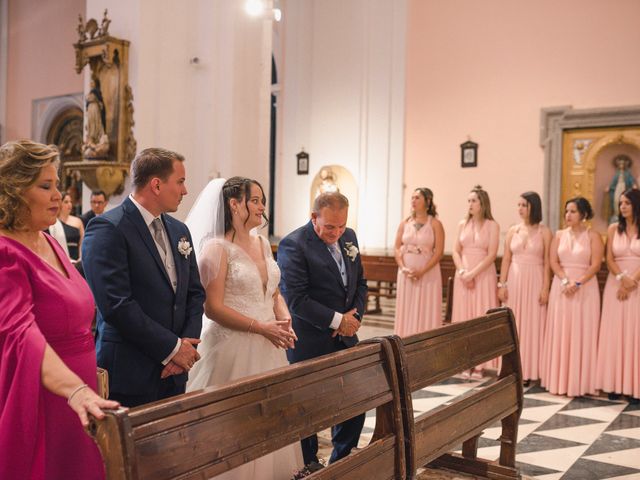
(247, 324)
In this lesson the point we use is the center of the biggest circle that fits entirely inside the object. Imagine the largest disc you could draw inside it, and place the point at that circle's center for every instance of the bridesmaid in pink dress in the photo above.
(474, 254)
(525, 277)
(47, 356)
(619, 346)
(571, 337)
(419, 246)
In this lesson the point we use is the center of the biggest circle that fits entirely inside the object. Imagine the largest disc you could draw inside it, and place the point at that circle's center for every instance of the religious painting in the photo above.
(469, 154)
(599, 164)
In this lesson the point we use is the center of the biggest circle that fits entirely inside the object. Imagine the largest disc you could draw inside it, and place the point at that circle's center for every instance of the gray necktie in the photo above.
(337, 256)
(157, 234)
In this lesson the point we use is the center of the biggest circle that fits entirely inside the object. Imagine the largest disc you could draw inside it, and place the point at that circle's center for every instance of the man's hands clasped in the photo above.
(184, 359)
(349, 325)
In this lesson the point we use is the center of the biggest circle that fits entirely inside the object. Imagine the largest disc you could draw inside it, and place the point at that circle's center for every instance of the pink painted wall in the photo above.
(40, 57)
(486, 68)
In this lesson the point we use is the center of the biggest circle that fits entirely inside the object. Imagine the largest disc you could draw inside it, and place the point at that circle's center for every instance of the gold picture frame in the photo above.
(587, 166)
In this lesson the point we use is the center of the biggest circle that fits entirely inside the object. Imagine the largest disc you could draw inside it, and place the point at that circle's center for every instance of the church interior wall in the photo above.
(342, 101)
(40, 58)
(387, 90)
(200, 81)
(485, 69)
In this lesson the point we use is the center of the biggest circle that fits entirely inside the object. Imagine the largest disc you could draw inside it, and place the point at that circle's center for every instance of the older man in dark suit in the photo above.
(143, 273)
(323, 284)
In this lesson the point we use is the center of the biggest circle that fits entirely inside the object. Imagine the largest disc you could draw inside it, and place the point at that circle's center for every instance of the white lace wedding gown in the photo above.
(228, 355)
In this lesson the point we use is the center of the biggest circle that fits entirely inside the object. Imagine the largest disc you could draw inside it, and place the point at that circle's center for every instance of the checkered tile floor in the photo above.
(558, 437)
(585, 438)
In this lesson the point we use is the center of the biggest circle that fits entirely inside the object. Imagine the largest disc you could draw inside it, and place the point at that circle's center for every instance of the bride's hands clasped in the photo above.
(278, 332)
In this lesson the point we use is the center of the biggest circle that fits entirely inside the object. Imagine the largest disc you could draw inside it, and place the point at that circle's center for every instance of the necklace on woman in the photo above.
(418, 224)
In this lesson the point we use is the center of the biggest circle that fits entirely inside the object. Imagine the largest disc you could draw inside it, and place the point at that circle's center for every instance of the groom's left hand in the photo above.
(171, 368)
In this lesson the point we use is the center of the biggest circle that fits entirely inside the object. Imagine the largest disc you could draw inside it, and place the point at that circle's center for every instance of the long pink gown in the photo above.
(525, 279)
(619, 347)
(474, 302)
(571, 337)
(418, 302)
(40, 436)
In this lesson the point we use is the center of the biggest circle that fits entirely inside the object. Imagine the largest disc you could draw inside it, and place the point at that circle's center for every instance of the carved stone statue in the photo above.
(97, 141)
(621, 181)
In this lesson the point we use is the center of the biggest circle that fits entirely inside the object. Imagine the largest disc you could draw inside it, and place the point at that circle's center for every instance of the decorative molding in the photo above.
(109, 145)
(553, 122)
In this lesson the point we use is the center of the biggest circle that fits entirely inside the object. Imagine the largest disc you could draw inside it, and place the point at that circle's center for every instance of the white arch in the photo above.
(45, 110)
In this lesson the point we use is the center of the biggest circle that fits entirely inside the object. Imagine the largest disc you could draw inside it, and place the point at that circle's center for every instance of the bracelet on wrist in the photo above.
(81, 387)
(251, 325)
(620, 276)
(502, 284)
(565, 282)
(461, 271)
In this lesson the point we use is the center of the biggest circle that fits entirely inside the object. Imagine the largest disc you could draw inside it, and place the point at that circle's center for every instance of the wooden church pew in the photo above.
(205, 433)
(427, 358)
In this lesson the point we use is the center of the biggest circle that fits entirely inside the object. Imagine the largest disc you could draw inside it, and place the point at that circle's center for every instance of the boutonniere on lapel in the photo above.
(184, 247)
(351, 250)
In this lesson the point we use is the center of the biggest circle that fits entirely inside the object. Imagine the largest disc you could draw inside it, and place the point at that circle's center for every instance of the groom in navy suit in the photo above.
(140, 265)
(324, 287)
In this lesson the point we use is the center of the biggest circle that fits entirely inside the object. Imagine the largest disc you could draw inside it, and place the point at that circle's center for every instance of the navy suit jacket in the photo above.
(140, 317)
(313, 289)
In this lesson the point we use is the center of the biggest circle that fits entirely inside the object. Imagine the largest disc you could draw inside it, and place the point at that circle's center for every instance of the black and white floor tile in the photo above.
(585, 438)
(558, 437)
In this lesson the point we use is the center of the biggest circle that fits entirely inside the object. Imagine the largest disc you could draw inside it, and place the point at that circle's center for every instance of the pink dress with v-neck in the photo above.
(619, 344)
(571, 338)
(474, 302)
(525, 280)
(40, 436)
(418, 302)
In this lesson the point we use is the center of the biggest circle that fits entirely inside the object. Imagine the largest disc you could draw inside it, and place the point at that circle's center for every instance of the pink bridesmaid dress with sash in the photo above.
(619, 344)
(474, 302)
(40, 436)
(571, 337)
(525, 280)
(418, 302)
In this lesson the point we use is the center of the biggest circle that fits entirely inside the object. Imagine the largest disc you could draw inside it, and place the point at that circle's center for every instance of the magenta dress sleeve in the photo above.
(21, 352)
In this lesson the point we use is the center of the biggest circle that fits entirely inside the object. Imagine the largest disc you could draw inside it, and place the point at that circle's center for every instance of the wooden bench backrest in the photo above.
(205, 433)
(427, 358)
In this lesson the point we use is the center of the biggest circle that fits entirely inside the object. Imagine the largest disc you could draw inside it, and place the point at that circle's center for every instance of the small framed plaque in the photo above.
(469, 154)
(303, 163)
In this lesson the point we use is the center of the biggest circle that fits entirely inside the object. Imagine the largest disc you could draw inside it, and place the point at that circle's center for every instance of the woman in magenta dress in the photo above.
(418, 250)
(619, 345)
(474, 254)
(48, 363)
(525, 277)
(571, 337)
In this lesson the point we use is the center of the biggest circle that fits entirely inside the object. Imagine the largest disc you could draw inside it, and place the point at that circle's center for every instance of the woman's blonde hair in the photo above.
(20, 165)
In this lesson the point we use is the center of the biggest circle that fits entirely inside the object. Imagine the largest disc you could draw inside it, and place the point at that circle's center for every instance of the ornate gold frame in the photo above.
(108, 59)
(580, 151)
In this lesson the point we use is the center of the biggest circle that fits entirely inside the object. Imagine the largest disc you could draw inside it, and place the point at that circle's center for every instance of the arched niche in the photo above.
(337, 178)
